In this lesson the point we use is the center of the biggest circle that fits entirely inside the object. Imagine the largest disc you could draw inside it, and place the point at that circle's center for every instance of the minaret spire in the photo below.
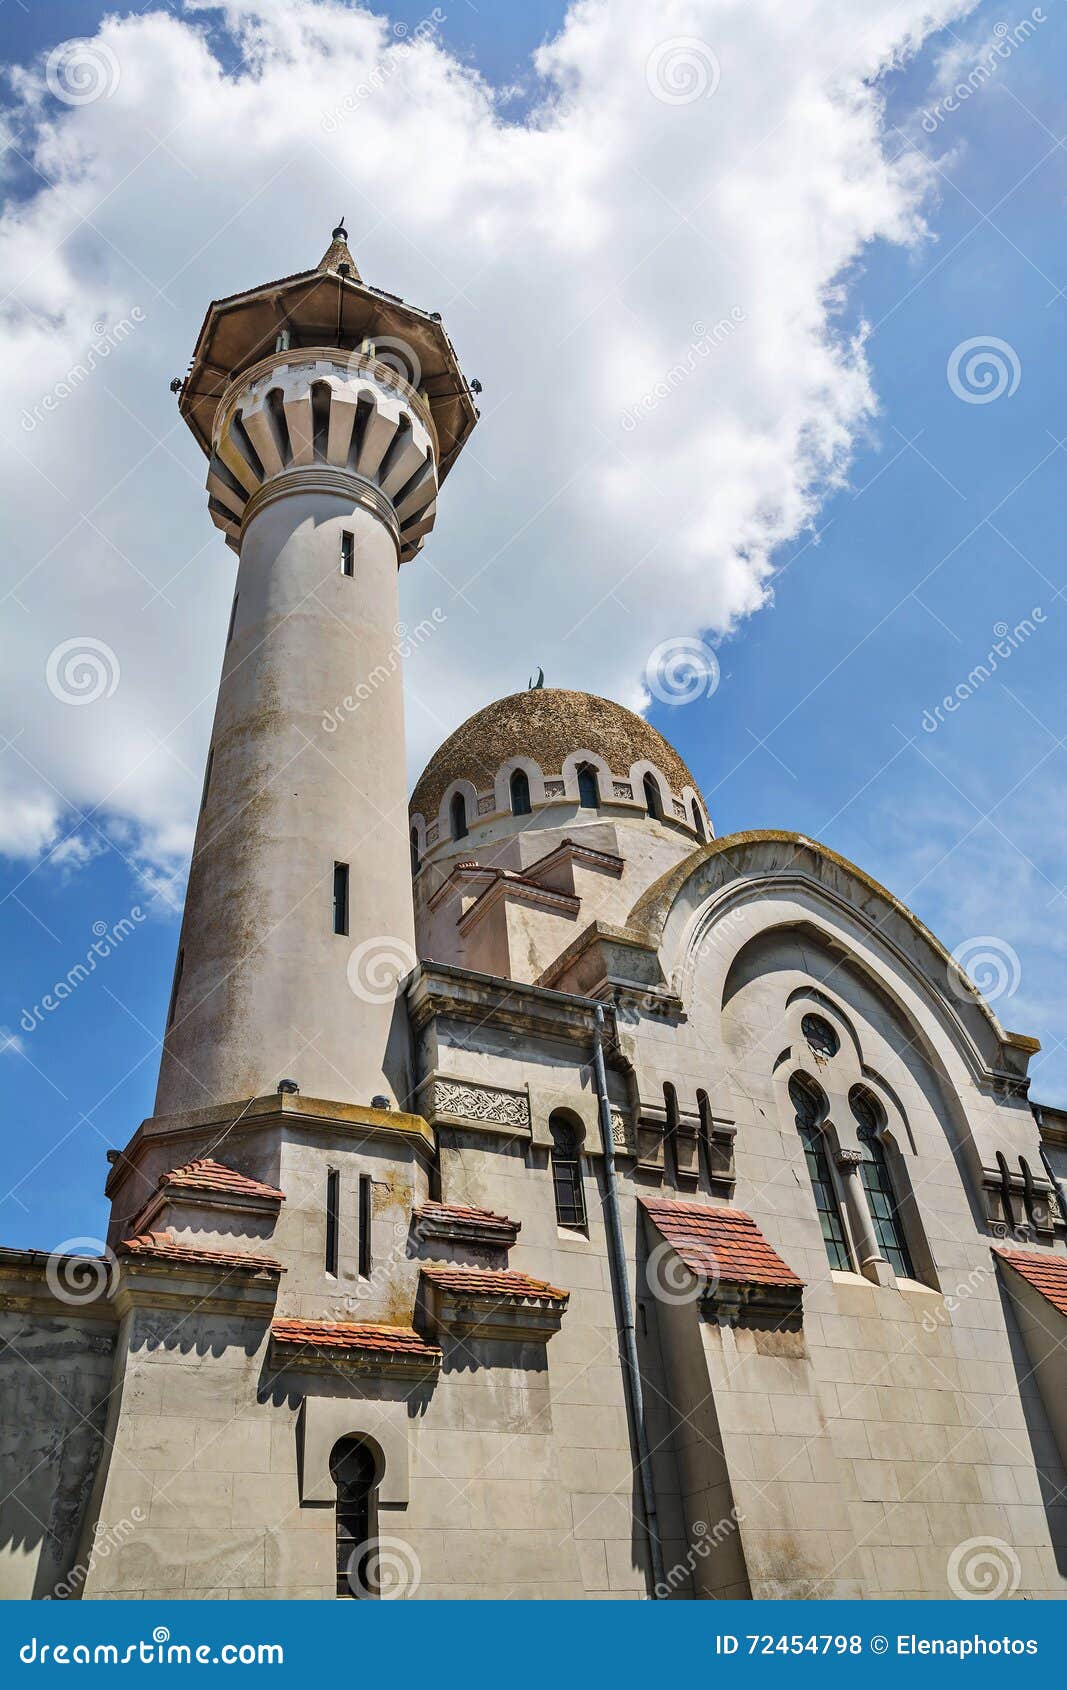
(337, 256)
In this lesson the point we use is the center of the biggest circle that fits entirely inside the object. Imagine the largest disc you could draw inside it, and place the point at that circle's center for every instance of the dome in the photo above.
(547, 725)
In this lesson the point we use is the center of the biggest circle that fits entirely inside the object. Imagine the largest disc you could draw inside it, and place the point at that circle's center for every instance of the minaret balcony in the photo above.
(302, 413)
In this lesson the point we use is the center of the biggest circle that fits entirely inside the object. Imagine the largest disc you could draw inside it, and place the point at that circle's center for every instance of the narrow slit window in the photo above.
(233, 618)
(364, 1225)
(457, 815)
(175, 987)
(653, 801)
(207, 776)
(340, 897)
(348, 553)
(333, 1200)
(416, 860)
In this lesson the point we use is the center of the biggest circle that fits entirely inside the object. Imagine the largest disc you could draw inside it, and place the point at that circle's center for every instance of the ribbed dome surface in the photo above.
(547, 724)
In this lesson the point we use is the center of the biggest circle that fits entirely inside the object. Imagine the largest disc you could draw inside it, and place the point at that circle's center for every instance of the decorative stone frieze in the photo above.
(466, 1101)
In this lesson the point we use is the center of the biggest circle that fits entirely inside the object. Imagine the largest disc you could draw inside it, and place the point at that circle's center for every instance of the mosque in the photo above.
(543, 1197)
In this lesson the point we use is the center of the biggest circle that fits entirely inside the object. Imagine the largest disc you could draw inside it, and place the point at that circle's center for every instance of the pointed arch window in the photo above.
(809, 1106)
(653, 801)
(588, 787)
(567, 1185)
(457, 816)
(878, 1182)
(520, 793)
(353, 1469)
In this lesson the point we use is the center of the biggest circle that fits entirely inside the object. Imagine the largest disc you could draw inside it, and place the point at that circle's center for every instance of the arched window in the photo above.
(698, 822)
(878, 1183)
(353, 1470)
(457, 815)
(588, 787)
(653, 801)
(809, 1105)
(520, 793)
(416, 861)
(820, 1036)
(567, 1174)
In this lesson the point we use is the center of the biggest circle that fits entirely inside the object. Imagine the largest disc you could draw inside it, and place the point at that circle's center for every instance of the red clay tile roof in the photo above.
(491, 1282)
(207, 1175)
(484, 1219)
(724, 1245)
(1041, 1269)
(165, 1248)
(353, 1336)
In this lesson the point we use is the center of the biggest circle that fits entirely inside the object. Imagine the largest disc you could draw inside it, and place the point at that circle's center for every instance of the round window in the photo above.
(820, 1035)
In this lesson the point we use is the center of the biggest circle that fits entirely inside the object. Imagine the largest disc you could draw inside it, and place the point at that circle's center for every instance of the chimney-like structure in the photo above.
(329, 413)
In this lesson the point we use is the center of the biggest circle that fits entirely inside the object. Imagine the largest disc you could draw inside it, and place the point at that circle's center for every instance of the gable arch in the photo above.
(714, 901)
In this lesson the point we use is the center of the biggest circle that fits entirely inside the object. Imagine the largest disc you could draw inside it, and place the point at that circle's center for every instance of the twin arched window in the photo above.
(520, 793)
(810, 1106)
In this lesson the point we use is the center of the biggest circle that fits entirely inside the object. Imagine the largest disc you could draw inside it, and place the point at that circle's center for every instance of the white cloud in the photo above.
(577, 257)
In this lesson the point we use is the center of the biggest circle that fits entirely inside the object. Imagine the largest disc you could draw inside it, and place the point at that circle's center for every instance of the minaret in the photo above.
(329, 412)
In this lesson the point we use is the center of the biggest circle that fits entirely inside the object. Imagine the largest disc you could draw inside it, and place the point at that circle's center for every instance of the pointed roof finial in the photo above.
(337, 256)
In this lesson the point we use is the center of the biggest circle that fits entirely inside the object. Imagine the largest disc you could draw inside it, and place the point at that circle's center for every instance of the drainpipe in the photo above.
(621, 1283)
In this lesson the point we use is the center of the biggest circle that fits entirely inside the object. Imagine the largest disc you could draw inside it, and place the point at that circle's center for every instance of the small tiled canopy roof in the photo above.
(723, 1245)
(162, 1247)
(1041, 1269)
(354, 1336)
(491, 1282)
(204, 1174)
(486, 1222)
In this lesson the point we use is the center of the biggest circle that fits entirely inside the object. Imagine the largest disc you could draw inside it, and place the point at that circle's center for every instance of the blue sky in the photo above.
(949, 528)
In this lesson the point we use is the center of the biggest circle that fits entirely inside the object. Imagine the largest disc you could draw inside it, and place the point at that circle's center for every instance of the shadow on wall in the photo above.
(55, 1376)
(1050, 1461)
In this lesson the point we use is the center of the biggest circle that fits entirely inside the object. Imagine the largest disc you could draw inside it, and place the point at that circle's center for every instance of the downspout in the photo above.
(621, 1285)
